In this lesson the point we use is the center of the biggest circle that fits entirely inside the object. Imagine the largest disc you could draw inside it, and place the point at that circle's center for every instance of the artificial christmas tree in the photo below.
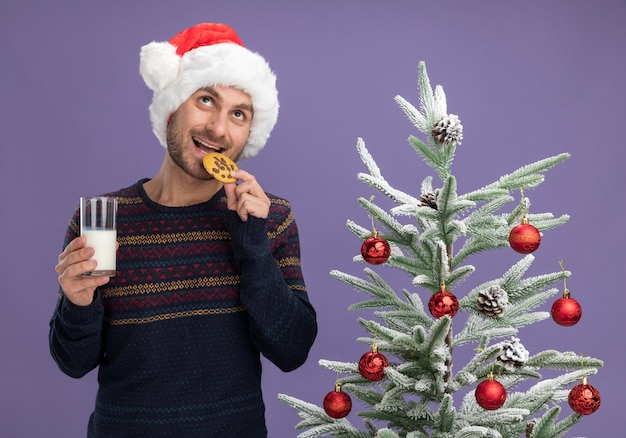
(418, 393)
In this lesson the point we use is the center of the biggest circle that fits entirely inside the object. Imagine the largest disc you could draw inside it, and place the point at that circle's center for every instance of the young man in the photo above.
(208, 274)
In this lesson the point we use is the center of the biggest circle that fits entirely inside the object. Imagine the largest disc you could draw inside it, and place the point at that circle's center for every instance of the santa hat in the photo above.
(204, 55)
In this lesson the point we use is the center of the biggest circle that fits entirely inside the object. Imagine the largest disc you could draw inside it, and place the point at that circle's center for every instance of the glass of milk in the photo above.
(98, 225)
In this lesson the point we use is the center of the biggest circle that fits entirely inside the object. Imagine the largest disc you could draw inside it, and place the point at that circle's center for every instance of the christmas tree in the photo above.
(406, 382)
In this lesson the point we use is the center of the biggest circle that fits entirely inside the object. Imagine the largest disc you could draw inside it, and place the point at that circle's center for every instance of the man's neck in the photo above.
(174, 188)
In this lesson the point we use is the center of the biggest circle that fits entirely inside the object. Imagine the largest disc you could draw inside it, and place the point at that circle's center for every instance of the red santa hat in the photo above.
(204, 55)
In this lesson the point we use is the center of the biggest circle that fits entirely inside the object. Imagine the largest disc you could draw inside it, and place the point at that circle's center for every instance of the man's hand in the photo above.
(247, 198)
(73, 262)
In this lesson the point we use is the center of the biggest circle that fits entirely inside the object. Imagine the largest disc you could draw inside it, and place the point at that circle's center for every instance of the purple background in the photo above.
(528, 80)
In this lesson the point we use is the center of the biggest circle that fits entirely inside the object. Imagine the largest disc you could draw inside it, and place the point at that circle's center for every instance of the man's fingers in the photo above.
(75, 244)
(231, 195)
(248, 197)
(67, 260)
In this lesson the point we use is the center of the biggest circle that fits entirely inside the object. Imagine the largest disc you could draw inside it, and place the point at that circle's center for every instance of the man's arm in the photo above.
(283, 321)
(76, 336)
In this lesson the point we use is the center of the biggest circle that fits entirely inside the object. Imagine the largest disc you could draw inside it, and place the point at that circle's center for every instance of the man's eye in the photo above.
(206, 100)
(239, 115)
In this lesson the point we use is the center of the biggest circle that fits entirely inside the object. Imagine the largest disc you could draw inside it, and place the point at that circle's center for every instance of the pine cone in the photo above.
(448, 130)
(429, 199)
(513, 354)
(492, 301)
(529, 428)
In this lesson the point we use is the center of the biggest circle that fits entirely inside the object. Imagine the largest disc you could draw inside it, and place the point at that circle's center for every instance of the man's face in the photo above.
(215, 119)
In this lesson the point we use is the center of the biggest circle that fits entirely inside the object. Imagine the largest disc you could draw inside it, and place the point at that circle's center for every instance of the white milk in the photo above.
(103, 242)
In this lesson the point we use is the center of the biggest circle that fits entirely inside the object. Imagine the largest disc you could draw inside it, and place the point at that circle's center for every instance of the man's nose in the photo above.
(216, 123)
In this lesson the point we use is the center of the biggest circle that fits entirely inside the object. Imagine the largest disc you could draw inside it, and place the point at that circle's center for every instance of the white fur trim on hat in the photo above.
(174, 78)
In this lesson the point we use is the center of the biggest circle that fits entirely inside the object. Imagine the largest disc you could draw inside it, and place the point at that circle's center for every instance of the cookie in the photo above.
(219, 166)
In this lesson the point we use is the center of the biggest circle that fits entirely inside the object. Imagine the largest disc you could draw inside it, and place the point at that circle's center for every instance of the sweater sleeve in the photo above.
(76, 336)
(282, 320)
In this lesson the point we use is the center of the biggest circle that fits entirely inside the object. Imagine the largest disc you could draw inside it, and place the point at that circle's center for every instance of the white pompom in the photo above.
(158, 64)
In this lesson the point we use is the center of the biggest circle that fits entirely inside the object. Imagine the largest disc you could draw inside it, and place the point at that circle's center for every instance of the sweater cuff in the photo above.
(251, 232)
(82, 316)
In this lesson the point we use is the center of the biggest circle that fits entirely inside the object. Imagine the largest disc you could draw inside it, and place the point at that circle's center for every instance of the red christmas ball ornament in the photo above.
(443, 303)
(524, 238)
(372, 364)
(584, 399)
(490, 394)
(566, 310)
(375, 249)
(337, 404)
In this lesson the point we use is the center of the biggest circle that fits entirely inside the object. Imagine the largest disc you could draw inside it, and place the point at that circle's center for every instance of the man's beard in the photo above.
(188, 162)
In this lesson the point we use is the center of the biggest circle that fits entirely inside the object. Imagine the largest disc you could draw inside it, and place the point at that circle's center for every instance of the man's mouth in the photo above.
(205, 147)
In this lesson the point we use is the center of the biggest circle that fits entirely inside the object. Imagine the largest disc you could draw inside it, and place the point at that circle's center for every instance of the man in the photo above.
(208, 274)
